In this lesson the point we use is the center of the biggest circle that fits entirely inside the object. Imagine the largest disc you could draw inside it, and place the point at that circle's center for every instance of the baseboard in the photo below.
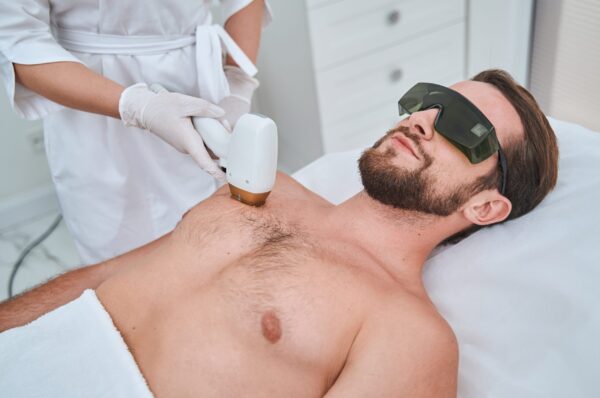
(28, 205)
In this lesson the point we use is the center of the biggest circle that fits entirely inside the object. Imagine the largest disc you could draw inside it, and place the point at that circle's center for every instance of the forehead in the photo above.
(494, 106)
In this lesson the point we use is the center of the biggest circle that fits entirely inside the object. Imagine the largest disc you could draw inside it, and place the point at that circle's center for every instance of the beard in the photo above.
(405, 189)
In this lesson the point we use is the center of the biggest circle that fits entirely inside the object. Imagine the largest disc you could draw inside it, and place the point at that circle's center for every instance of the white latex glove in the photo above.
(241, 87)
(168, 116)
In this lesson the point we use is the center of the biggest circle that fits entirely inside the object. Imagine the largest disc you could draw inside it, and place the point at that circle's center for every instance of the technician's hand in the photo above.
(241, 87)
(168, 116)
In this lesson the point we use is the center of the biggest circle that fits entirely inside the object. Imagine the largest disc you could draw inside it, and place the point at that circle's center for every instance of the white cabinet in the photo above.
(332, 71)
(344, 30)
(367, 88)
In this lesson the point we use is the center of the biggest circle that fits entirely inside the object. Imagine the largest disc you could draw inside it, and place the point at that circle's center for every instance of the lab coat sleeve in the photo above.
(25, 38)
(230, 7)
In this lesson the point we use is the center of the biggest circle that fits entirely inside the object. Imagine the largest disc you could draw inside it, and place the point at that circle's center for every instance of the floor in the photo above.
(55, 255)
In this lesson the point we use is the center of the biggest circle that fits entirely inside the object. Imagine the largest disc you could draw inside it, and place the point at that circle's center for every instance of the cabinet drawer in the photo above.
(361, 130)
(342, 30)
(366, 83)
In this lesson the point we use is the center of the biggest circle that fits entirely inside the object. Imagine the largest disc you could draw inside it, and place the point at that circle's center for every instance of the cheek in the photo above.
(443, 178)
(452, 173)
(450, 169)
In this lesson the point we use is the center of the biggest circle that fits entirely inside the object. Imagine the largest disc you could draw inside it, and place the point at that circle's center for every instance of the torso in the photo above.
(246, 302)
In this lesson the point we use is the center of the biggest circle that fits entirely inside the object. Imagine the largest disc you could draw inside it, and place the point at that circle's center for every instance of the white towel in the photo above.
(73, 351)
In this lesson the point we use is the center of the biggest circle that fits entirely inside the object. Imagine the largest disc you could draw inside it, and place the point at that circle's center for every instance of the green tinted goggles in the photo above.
(458, 120)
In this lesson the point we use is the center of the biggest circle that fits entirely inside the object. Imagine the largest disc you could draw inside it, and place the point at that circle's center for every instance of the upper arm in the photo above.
(396, 354)
(244, 25)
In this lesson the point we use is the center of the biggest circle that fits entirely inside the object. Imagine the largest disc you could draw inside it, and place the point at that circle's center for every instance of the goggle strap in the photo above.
(504, 169)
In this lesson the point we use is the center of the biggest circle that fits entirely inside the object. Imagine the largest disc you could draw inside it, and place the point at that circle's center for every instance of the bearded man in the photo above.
(301, 298)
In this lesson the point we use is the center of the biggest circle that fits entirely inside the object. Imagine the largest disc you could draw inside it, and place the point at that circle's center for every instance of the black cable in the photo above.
(28, 249)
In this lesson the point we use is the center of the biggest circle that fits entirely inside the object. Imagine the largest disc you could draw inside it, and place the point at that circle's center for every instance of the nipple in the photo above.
(271, 327)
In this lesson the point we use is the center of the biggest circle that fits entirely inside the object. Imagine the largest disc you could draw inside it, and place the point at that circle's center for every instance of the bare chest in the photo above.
(290, 296)
(251, 303)
(287, 295)
(284, 309)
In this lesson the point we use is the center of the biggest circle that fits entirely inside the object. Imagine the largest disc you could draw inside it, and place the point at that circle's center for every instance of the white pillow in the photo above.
(521, 296)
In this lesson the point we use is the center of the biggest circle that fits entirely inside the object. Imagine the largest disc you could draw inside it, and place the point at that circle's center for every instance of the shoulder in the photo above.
(417, 341)
(404, 348)
(415, 321)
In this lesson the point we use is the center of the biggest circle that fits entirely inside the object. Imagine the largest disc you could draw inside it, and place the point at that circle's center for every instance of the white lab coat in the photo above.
(118, 187)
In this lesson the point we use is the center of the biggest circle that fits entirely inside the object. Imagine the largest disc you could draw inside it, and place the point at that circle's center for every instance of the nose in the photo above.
(422, 123)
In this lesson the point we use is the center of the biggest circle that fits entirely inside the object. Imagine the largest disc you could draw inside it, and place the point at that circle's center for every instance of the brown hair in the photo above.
(532, 161)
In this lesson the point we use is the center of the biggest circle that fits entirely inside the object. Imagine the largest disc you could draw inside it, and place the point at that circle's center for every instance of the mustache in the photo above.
(428, 160)
(399, 129)
(406, 132)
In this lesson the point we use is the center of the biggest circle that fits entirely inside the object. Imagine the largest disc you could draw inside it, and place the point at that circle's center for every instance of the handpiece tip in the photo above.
(248, 198)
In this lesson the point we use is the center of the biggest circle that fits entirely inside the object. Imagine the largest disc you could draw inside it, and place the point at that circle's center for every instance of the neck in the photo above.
(399, 240)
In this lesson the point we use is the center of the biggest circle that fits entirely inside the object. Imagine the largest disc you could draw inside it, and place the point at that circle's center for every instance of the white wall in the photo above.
(499, 36)
(25, 183)
(565, 66)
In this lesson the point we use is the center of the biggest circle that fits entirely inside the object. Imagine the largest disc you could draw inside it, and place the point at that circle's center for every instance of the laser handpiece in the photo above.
(249, 154)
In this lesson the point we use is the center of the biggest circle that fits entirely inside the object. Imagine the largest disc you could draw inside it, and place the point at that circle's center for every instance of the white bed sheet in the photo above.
(522, 297)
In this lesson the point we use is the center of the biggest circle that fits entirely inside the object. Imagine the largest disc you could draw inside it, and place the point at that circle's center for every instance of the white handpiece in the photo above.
(252, 156)
(215, 136)
(249, 153)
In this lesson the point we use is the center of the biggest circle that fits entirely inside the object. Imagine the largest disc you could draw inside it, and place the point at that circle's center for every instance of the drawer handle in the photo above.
(396, 75)
(393, 17)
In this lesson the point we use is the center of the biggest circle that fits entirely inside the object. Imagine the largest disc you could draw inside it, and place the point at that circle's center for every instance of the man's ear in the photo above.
(487, 207)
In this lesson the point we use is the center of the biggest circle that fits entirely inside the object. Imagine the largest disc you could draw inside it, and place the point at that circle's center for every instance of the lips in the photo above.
(405, 142)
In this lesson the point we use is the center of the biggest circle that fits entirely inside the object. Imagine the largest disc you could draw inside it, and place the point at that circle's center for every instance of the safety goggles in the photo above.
(458, 120)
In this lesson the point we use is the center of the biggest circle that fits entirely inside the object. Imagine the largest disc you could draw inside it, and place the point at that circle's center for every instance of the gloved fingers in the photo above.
(225, 123)
(165, 114)
(204, 161)
(234, 108)
(195, 147)
(219, 175)
(193, 106)
(202, 158)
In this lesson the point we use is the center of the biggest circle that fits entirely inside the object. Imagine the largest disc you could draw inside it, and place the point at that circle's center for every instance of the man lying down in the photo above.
(301, 298)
